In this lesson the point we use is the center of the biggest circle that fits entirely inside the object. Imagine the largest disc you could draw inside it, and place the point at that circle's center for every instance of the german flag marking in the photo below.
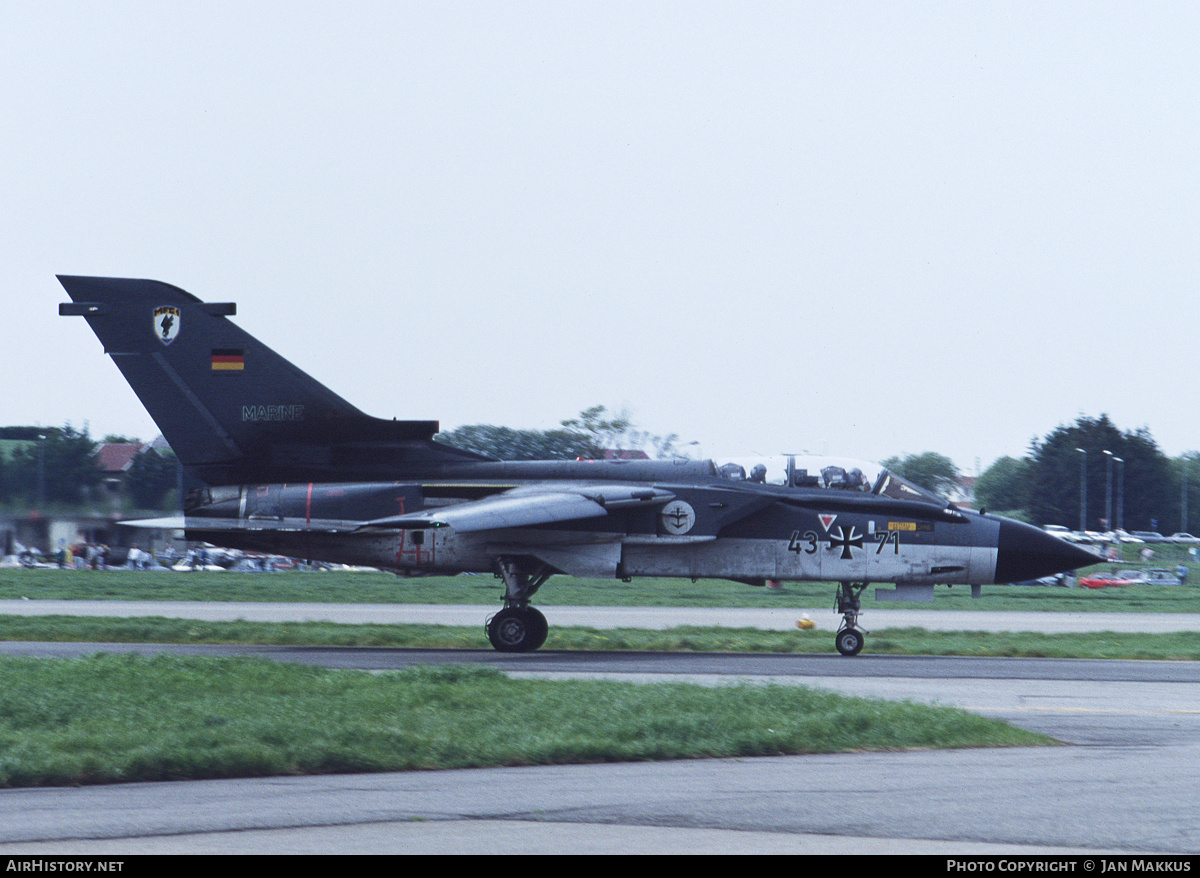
(228, 360)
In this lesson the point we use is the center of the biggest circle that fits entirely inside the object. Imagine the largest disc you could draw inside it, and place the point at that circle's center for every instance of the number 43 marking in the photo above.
(797, 543)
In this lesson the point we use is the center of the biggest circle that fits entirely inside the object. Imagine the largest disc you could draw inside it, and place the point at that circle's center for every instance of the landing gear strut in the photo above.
(849, 639)
(519, 627)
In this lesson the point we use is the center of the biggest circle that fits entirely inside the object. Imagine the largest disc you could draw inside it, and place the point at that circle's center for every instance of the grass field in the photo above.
(373, 587)
(104, 719)
(109, 719)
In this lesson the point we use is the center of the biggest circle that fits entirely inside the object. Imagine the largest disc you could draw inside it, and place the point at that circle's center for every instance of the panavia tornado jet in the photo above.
(288, 467)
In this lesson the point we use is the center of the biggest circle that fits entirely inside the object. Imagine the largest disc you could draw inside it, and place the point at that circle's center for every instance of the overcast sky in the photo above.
(865, 229)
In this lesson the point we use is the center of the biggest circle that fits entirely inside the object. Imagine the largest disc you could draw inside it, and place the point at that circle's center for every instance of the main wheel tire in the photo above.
(517, 629)
(849, 641)
(540, 627)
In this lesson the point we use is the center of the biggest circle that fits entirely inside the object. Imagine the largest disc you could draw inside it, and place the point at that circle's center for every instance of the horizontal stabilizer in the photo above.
(173, 522)
(194, 523)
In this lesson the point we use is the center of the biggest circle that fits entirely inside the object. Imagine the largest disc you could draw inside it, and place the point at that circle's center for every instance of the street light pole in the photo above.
(41, 471)
(1183, 494)
(1082, 490)
(1120, 494)
(1108, 492)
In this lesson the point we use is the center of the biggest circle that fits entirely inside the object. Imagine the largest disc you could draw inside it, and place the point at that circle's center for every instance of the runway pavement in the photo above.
(617, 617)
(1128, 780)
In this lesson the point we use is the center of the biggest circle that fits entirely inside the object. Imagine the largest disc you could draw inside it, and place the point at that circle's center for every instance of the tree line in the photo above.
(1113, 477)
(57, 465)
(587, 436)
(1088, 475)
(1135, 482)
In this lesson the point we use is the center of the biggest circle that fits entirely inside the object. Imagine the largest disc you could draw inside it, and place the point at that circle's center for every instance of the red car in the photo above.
(1105, 580)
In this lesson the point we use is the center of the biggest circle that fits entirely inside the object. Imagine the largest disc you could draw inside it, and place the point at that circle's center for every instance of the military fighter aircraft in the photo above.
(288, 467)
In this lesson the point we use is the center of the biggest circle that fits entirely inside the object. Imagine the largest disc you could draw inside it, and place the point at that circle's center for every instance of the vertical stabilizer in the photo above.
(231, 408)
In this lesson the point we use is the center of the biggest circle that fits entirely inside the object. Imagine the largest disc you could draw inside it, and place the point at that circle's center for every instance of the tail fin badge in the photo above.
(166, 323)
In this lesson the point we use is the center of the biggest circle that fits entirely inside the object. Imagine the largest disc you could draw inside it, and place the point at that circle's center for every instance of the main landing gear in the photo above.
(519, 627)
(849, 639)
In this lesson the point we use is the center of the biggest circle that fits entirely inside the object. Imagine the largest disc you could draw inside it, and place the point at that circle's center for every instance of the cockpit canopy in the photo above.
(826, 473)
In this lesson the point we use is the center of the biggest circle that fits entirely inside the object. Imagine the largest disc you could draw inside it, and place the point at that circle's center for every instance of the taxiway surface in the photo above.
(658, 618)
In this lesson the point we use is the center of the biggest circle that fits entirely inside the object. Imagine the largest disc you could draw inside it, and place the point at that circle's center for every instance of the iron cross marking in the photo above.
(845, 540)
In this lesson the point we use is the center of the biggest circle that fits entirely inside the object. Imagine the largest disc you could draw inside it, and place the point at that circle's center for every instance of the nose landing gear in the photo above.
(849, 639)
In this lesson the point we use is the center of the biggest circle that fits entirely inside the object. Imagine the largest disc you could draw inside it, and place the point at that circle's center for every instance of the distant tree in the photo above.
(602, 432)
(1187, 473)
(506, 443)
(1150, 502)
(1004, 486)
(618, 432)
(586, 436)
(932, 471)
(27, 434)
(150, 478)
(56, 463)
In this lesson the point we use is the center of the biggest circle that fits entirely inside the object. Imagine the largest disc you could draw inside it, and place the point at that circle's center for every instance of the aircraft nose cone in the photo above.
(1026, 552)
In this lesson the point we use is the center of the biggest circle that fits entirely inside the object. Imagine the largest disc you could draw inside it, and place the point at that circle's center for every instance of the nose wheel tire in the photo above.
(517, 629)
(850, 641)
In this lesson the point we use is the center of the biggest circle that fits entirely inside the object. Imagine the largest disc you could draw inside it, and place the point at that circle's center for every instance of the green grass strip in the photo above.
(1184, 645)
(373, 587)
(109, 718)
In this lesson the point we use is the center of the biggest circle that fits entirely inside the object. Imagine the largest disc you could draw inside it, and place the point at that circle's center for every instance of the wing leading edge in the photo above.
(525, 507)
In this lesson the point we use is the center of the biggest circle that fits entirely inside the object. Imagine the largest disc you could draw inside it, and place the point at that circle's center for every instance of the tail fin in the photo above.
(231, 408)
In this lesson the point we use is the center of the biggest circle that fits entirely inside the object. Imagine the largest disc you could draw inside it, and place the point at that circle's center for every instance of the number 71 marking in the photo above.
(885, 537)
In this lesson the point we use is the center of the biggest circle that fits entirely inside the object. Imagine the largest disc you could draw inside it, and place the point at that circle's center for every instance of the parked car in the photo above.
(1158, 576)
(1149, 536)
(1107, 580)
(1056, 579)
(1183, 538)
